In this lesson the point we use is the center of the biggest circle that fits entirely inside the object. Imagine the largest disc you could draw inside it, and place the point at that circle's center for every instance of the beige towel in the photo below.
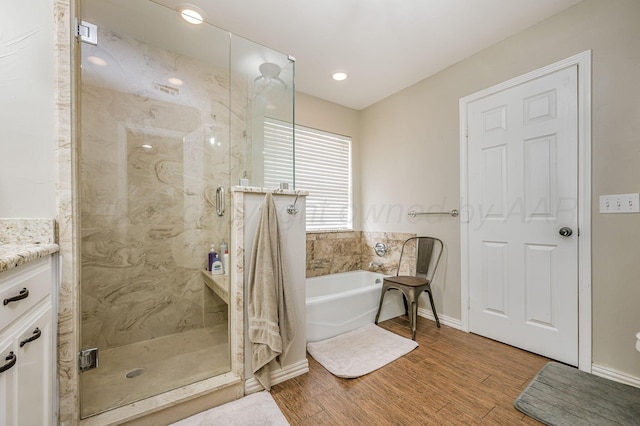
(270, 305)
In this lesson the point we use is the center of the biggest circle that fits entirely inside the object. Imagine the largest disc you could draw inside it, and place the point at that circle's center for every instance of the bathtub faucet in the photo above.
(375, 265)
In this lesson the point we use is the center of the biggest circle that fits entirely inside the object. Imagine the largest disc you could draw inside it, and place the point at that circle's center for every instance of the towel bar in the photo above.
(453, 213)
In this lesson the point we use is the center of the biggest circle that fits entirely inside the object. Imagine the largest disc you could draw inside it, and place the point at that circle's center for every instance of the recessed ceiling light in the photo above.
(175, 81)
(191, 16)
(96, 60)
(339, 76)
(147, 146)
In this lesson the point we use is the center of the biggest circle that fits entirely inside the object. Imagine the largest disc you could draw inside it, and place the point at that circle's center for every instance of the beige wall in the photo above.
(410, 154)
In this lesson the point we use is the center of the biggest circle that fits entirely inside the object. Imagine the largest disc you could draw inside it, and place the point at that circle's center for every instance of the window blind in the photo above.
(322, 167)
(278, 153)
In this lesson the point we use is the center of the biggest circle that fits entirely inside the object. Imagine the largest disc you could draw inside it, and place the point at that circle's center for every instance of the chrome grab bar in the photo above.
(453, 213)
(220, 201)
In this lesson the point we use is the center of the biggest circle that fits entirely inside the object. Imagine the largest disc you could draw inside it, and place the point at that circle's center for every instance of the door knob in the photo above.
(565, 231)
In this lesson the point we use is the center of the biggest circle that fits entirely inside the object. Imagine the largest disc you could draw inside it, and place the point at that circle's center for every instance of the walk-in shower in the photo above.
(169, 112)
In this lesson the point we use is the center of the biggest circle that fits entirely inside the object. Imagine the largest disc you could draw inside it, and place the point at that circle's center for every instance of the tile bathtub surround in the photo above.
(343, 251)
(393, 241)
(333, 252)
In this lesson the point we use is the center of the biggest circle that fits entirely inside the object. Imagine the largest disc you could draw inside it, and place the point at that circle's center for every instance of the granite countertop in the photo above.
(23, 240)
(14, 255)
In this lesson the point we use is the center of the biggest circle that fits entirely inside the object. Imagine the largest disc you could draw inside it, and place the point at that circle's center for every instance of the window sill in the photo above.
(329, 231)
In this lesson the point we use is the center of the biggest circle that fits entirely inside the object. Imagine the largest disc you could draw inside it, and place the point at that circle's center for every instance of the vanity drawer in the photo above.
(35, 277)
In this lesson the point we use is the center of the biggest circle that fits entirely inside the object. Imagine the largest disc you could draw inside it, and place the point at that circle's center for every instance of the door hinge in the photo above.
(87, 32)
(88, 359)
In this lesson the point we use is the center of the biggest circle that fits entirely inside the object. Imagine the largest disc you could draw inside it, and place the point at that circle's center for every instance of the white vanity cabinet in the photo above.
(26, 344)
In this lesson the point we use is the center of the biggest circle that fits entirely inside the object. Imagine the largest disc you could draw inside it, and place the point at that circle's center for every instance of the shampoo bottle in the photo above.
(225, 262)
(212, 257)
(216, 267)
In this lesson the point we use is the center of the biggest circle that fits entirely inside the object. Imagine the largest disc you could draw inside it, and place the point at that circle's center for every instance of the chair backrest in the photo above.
(428, 251)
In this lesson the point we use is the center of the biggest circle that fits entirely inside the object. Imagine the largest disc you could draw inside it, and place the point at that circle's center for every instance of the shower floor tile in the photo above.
(154, 366)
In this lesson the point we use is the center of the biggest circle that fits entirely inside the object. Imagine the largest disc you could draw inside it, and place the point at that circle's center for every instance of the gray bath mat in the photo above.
(562, 395)
(360, 351)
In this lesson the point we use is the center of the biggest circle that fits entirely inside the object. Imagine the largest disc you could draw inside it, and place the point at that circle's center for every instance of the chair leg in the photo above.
(382, 293)
(414, 318)
(433, 308)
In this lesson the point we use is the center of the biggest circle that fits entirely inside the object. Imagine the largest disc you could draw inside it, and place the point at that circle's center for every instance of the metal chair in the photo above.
(427, 256)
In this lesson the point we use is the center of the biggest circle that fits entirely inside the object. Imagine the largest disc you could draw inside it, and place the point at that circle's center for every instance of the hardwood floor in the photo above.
(452, 378)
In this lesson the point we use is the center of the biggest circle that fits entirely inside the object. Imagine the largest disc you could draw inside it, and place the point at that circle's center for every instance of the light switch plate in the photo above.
(620, 203)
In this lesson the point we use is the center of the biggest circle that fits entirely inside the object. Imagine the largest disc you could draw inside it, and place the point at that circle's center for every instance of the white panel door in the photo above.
(522, 190)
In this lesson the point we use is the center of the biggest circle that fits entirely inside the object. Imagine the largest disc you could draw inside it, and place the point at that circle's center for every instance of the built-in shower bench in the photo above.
(219, 284)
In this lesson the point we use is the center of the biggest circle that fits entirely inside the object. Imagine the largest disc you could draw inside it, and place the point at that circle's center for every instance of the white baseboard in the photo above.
(617, 376)
(448, 321)
(251, 385)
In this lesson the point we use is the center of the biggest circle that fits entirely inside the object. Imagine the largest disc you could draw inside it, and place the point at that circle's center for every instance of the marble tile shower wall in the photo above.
(334, 252)
(148, 213)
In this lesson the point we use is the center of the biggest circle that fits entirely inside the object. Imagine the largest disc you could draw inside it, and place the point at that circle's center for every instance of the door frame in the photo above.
(583, 61)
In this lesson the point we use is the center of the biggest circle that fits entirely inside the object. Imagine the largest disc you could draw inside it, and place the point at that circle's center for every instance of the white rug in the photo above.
(360, 351)
(258, 409)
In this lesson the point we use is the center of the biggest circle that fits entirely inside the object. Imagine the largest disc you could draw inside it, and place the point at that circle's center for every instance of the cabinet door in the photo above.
(8, 385)
(33, 343)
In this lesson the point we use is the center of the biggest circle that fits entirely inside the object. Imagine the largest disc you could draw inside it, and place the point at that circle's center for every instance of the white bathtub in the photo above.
(342, 302)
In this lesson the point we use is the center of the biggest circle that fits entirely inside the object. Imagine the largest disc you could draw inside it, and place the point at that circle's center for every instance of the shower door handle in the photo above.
(220, 201)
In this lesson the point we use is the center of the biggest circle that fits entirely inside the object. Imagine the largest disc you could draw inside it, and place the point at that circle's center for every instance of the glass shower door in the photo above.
(266, 79)
(154, 148)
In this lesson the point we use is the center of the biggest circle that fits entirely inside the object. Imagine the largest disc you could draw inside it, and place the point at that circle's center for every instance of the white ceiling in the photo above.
(384, 45)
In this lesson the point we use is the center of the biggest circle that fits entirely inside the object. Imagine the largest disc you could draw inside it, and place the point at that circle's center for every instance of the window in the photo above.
(322, 167)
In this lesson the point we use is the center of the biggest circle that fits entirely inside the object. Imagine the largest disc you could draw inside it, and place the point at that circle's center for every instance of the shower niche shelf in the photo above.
(219, 284)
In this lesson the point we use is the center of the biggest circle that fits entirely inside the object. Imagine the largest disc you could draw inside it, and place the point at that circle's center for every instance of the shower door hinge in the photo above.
(87, 32)
(88, 359)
